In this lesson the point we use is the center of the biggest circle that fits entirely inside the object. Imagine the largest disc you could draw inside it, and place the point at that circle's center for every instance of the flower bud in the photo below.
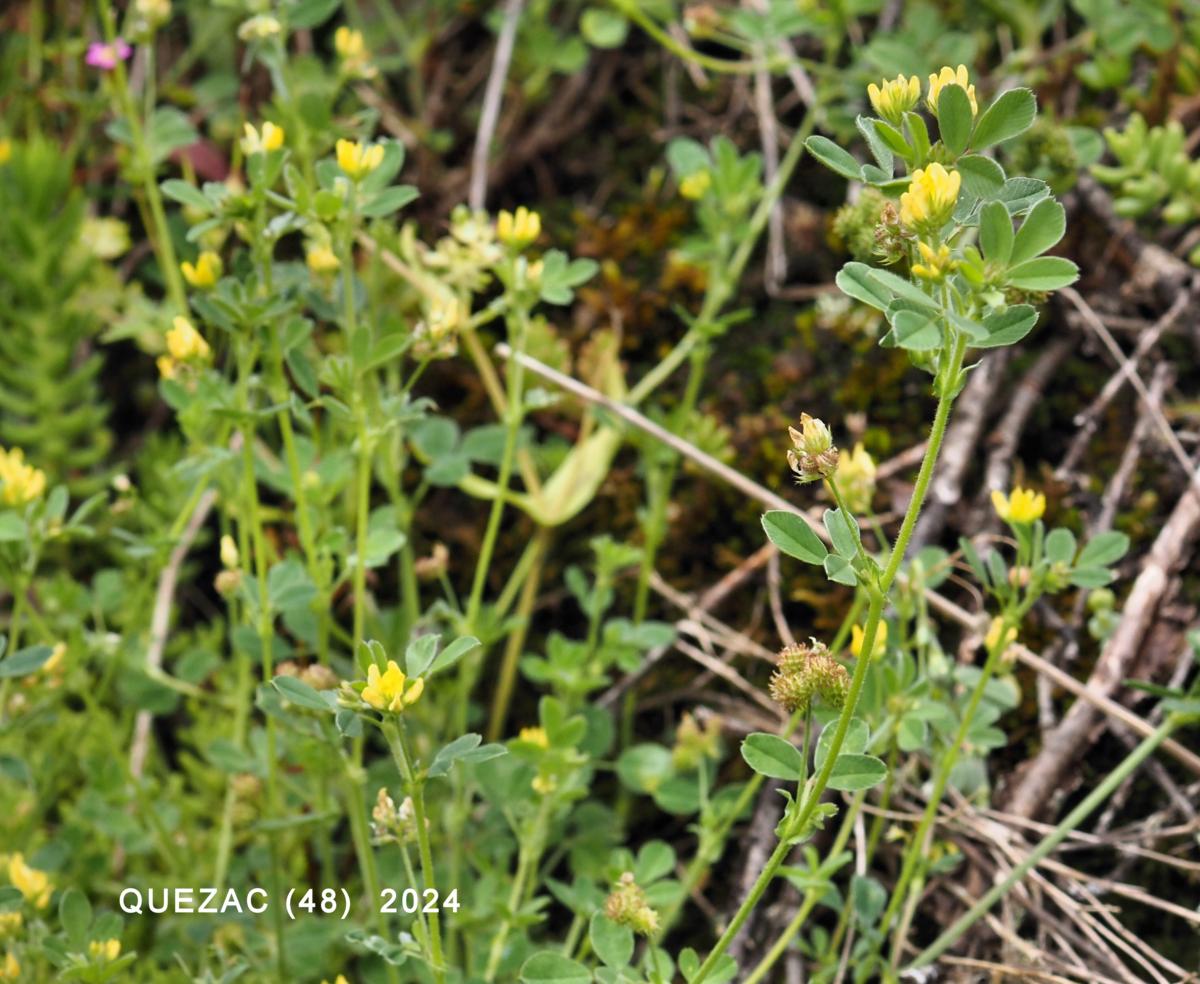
(812, 455)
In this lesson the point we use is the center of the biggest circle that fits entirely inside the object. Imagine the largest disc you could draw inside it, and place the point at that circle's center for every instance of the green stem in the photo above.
(528, 855)
(1101, 793)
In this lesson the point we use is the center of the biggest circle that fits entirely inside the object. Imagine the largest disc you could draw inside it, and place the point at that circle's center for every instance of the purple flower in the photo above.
(105, 56)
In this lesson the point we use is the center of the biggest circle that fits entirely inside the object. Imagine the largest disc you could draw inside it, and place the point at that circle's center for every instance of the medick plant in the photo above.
(960, 257)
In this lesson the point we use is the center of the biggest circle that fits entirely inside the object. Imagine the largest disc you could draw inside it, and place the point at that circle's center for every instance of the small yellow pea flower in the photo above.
(695, 185)
(1019, 507)
(229, 553)
(937, 263)
(992, 639)
(391, 690)
(895, 97)
(33, 884)
(5, 150)
(950, 76)
(54, 664)
(518, 230)
(321, 259)
(543, 785)
(812, 455)
(205, 272)
(185, 344)
(352, 50)
(857, 635)
(535, 736)
(259, 28)
(22, 483)
(10, 970)
(931, 196)
(357, 159)
(856, 479)
(105, 950)
(261, 141)
(341, 979)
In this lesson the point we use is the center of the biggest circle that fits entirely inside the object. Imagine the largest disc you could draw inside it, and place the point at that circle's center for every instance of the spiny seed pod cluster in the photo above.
(807, 670)
(812, 455)
(626, 905)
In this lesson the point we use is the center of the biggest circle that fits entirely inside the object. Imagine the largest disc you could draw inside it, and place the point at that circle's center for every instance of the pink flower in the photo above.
(105, 56)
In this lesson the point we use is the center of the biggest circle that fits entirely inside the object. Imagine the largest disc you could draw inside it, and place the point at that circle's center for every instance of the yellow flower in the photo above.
(1021, 506)
(54, 663)
(543, 785)
(391, 690)
(341, 979)
(260, 142)
(185, 344)
(895, 97)
(10, 924)
(937, 263)
(992, 639)
(205, 272)
(259, 28)
(518, 230)
(5, 150)
(930, 198)
(950, 76)
(229, 552)
(856, 639)
(11, 970)
(22, 482)
(105, 950)
(695, 185)
(107, 238)
(812, 455)
(352, 50)
(856, 479)
(535, 736)
(321, 259)
(358, 160)
(30, 882)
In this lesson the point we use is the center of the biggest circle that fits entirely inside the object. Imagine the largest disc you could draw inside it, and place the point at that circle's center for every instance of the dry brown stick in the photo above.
(1035, 788)
(490, 113)
(768, 129)
(775, 600)
(1088, 419)
(160, 622)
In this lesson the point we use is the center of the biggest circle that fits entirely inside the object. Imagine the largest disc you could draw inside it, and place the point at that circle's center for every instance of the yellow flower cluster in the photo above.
(812, 455)
(352, 50)
(22, 482)
(1020, 506)
(856, 479)
(695, 185)
(992, 639)
(931, 196)
(857, 637)
(105, 951)
(262, 141)
(534, 736)
(185, 346)
(321, 259)
(391, 690)
(518, 230)
(10, 970)
(205, 272)
(33, 884)
(10, 924)
(892, 98)
(936, 263)
(950, 76)
(357, 159)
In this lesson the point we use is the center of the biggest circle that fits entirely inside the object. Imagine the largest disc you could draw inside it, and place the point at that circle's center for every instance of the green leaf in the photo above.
(1009, 326)
(1021, 194)
(24, 661)
(419, 655)
(1091, 577)
(918, 135)
(855, 280)
(301, 694)
(644, 767)
(551, 967)
(772, 756)
(603, 28)
(12, 528)
(903, 288)
(1060, 546)
(448, 754)
(879, 148)
(1044, 226)
(1044, 274)
(982, 177)
(75, 913)
(833, 157)
(453, 653)
(839, 569)
(916, 331)
(853, 771)
(955, 118)
(186, 194)
(389, 200)
(613, 943)
(841, 531)
(312, 13)
(1104, 549)
(793, 536)
(996, 233)
(1011, 114)
(857, 736)
(893, 138)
